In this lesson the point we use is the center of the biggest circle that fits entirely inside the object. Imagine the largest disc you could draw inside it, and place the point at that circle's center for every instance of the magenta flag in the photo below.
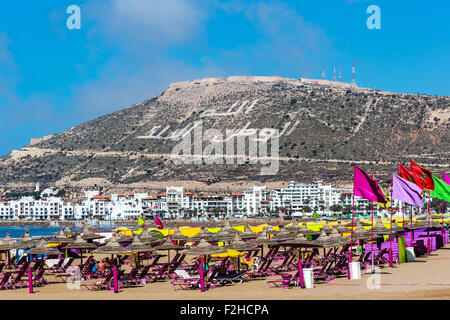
(366, 187)
(446, 178)
(406, 191)
(157, 221)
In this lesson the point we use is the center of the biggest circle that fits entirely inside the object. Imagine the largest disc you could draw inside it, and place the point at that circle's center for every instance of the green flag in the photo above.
(441, 190)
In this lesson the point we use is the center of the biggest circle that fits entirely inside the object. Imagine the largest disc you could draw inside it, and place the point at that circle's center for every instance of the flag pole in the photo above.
(390, 230)
(403, 215)
(428, 229)
(442, 220)
(373, 255)
(412, 231)
(351, 237)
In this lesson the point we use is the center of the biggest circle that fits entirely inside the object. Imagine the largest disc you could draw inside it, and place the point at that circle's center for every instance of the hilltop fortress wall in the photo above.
(207, 81)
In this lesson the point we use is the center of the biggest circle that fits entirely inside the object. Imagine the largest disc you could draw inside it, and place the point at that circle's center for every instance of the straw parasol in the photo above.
(86, 228)
(139, 246)
(205, 249)
(178, 236)
(239, 245)
(223, 235)
(270, 230)
(261, 239)
(325, 241)
(361, 234)
(306, 231)
(88, 234)
(168, 245)
(7, 243)
(148, 237)
(283, 234)
(61, 238)
(378, 227)
(228, 228)
(294, 228)
(112, 247)
(43, 249)
(202, 235)
(25, 242)
(248, 234)
(81, 245)
(341, 229)
(301, 241)
(336, 238)
(66, 232)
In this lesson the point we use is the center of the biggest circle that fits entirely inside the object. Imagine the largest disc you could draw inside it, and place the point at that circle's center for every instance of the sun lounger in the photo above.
(185, 281)
(293, 280)
(230, 278)
(4, 281)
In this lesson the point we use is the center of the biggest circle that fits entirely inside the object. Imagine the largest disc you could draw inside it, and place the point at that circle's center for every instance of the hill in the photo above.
(325, 127)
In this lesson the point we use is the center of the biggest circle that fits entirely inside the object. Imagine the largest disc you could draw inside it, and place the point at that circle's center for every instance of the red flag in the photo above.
(411, 176)
(426, 175)
(157, 221)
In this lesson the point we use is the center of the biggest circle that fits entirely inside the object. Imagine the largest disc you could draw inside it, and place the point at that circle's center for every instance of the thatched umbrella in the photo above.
(61, 238)
(204, 249)
(85, 228)
(378, 226)
(81, 245)
(178, 236)
(138, 246)
(66, 231)
(202, 235)
(148, 237)
(239, 245)
(228, 228)
(223, 236)
(307, 232)
(283, 234)
(7, 244)
(341, 229)
(295, 228)
(112, 247)
(88, 234)
(168, 245)
(336, 238)
(26, 241)
(270, 230)
(43, 249)
(248, 234)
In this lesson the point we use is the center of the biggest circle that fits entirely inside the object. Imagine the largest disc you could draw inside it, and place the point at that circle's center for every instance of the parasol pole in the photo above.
(30, 281)
(202, 281)
(351, 238)
(300, 273)
(116, 289)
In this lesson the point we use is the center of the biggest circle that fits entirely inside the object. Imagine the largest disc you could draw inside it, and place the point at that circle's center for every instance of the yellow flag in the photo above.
(386, 205)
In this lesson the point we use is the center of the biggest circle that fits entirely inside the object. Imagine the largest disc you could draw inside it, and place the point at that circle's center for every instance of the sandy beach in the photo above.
(426, 278)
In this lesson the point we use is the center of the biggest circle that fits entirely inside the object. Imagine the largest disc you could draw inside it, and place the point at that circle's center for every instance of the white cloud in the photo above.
(155, 22)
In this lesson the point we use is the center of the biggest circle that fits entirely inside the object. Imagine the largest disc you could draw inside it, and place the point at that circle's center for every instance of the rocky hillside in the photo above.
(324, 128)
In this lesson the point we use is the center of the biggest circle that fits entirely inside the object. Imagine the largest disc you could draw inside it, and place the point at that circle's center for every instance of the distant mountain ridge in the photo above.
(325, 127)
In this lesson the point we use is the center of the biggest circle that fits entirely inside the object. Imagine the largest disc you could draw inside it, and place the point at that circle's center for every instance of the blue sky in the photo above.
(53, 78)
